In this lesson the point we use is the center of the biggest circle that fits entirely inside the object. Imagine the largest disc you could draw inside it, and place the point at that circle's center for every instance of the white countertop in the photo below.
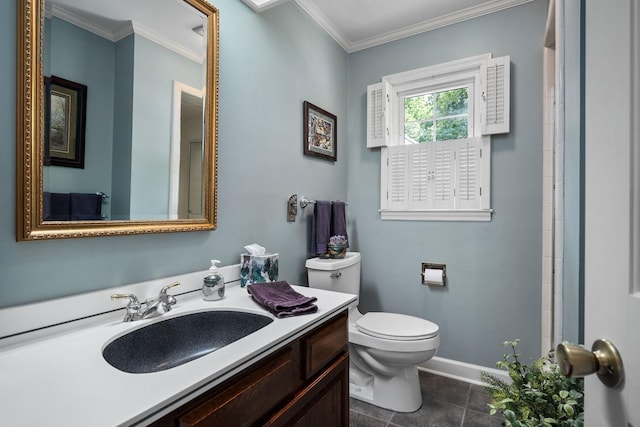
(63, 380)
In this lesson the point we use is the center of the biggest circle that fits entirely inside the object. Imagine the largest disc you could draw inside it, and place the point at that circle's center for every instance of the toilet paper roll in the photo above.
(433, 276)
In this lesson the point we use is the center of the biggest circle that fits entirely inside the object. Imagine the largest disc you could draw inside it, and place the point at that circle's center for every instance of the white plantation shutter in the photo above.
(495, 111)
(435, 180)
(468, 173)
(443, 174)
(397, 177)
(377, 115)
(420, 175)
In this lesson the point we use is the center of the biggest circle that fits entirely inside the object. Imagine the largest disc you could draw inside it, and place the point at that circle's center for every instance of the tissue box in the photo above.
(258, 268)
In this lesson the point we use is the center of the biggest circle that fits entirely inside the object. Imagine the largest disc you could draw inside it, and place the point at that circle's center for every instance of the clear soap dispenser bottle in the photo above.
(213, 287)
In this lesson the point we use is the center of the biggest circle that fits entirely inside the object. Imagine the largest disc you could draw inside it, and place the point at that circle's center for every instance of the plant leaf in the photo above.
(568, 409)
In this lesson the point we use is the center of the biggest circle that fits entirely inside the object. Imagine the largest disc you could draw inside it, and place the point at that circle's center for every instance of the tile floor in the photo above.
(445, 403)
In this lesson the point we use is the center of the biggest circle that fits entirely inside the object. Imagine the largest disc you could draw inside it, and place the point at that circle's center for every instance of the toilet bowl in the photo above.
(384, 348)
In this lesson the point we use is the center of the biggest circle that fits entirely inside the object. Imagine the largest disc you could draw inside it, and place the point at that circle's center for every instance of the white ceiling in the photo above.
(353, 24)
(167, 22)
(359, 24)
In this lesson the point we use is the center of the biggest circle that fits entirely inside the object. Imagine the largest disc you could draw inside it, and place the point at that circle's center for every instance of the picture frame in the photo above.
(320, 132)
(65, 117)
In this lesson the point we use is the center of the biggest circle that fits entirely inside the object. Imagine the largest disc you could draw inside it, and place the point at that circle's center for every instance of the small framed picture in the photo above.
(64, 122)
(320, 129)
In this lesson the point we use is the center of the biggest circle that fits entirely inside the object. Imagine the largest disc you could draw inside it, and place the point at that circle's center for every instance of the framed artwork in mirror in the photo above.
(65, 120)
(320, 129)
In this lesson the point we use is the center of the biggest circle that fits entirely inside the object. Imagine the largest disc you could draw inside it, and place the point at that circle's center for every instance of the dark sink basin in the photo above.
(173, 342)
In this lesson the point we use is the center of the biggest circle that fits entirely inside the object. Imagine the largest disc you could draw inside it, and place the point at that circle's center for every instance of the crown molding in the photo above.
(78, 21)
(323, 22)
(125, 30)
(167, 43)
(353, 46)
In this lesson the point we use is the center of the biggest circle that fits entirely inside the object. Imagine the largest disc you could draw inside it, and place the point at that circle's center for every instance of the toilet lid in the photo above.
(395, 326)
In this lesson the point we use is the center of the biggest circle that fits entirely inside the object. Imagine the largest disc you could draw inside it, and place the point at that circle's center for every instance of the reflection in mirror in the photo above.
(150, 76)
(129, 58)
(185, 199)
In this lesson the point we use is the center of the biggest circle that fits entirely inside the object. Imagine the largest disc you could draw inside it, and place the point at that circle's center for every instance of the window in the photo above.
(433, 126)
(436, 116)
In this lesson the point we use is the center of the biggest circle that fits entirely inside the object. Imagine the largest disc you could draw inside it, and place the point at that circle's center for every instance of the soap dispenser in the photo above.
(213, 287)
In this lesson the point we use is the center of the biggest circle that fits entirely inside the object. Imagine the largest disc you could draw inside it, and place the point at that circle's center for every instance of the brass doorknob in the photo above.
(603, 360)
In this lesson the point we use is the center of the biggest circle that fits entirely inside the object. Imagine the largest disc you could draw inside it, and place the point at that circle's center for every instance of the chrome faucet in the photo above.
(166, 300)
(137, 310)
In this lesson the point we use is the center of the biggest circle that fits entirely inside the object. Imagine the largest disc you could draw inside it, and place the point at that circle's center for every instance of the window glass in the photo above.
(436, 116)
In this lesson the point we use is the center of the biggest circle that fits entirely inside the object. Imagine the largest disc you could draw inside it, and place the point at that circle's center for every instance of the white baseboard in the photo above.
(460, 370)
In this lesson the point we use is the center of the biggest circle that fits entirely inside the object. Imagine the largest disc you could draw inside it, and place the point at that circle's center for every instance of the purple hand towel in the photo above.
(339, 220)
(281, 300)
(320, 233)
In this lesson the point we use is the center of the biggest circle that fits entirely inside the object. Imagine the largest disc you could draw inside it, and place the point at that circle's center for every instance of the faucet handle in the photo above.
(132, 298)
(133, 307)
(166, 288)
(167, 300)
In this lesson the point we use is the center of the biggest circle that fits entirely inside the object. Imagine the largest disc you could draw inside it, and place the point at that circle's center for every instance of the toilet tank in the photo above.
(340, 275)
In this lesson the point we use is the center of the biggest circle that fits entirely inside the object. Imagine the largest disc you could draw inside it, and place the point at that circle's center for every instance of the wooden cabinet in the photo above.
(323, 402)
(306, 383)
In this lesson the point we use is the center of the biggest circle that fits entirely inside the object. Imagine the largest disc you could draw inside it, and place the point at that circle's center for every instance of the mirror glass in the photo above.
(127, 108)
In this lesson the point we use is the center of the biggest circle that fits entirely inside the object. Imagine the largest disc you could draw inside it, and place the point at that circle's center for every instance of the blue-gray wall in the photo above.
(82, 57)
(493, 292)
(155, 70)
(122, 128)
(269, 64)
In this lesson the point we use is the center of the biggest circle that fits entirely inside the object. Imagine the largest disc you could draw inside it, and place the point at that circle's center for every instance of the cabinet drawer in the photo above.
(250, 397)
(322, 346)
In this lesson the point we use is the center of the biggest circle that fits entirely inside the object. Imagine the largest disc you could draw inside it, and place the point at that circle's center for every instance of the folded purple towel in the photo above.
(281, 300)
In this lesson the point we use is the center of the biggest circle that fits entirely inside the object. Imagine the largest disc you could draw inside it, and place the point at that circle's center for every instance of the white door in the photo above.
(195, 190)
(612, 293)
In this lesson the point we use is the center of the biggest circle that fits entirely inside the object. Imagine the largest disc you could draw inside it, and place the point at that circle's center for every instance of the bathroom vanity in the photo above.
(304, 383)
(289, 372)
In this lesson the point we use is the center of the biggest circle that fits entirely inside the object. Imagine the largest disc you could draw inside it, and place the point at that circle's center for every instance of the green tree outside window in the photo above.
(436, 116)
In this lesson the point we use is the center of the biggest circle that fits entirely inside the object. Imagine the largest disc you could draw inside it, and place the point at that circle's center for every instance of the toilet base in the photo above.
(399, 393)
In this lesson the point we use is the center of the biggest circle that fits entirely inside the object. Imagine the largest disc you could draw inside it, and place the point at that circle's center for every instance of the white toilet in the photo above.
(384, 348)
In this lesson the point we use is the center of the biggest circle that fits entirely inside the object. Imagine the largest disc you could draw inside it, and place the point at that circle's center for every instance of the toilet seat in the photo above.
(394, 326)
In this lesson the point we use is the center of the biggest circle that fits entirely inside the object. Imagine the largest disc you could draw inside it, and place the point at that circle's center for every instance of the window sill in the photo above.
(437, 215)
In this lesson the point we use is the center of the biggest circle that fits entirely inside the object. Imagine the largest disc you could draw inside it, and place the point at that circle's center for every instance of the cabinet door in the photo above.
(324, 402)
(332, 406)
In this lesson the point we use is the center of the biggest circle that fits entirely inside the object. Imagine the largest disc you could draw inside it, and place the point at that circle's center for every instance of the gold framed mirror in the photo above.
(143, 157)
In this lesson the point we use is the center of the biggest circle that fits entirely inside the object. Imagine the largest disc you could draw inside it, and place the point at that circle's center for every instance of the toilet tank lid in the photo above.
(331, 264)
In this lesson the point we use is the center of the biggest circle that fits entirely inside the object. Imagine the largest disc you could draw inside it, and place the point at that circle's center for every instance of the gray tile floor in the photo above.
(445, 403)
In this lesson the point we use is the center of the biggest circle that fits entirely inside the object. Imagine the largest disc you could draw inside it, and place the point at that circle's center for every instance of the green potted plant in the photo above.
(538, 395)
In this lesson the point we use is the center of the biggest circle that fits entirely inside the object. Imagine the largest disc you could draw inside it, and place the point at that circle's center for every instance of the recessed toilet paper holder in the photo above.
(433, 274)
